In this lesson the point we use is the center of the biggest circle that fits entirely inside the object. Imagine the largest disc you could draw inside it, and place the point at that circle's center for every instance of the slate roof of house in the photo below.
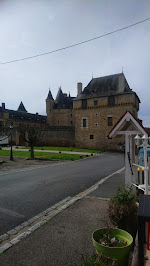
(60, 97)
(49, 96)
(63, 101)
(21, 115)
(26, 117)
(103, 86)
(21, 108)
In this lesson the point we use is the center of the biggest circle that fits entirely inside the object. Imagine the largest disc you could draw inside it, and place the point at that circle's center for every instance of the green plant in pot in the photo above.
(123, 209)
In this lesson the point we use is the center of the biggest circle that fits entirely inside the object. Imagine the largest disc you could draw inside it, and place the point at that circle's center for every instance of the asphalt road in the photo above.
(26, 193)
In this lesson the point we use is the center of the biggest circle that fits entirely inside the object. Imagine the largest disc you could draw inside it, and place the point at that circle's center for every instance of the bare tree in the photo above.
(31, 134)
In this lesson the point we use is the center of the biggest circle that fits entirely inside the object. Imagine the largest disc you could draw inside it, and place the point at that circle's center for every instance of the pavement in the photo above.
(62, 234)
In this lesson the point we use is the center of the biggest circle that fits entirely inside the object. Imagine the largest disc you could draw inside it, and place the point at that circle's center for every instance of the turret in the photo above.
(49, 102)
(21, 108)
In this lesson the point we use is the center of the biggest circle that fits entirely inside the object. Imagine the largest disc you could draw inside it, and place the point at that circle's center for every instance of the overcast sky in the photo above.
(31, 27)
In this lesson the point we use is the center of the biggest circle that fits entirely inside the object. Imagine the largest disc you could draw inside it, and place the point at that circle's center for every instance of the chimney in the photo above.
(121, 83)
(3, 106)
(79, 88)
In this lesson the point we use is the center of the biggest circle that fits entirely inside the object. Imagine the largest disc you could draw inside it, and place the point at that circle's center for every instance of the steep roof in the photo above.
(26, 117)
(63, 101)
(23, 116)
(49, 96)
(21, 108)
(59, 97)
(104, 86)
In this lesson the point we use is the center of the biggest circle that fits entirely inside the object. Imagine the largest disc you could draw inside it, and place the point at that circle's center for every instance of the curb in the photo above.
(13, 236)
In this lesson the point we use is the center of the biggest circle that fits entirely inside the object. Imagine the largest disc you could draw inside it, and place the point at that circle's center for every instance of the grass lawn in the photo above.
(55, 148)
(43, 155)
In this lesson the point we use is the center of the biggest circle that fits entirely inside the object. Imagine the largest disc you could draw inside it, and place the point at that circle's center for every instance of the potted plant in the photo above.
(123, 209)
(113, 243)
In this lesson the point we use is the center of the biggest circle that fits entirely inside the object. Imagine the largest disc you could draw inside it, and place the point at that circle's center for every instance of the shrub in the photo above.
(123, 209)
(99, 260)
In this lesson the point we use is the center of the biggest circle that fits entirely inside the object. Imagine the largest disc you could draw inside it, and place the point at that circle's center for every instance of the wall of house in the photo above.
(60, 117)
(94, 135)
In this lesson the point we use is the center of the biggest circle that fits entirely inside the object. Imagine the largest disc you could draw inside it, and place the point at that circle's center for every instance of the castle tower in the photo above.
(49, 107)
(49, 103)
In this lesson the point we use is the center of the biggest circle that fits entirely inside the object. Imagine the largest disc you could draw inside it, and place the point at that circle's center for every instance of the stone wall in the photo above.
(94, 135)
(61, 117)
(58, 136)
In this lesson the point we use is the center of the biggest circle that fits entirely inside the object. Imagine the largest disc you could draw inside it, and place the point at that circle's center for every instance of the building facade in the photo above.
(60, 111)
(98, 107)
(83, 121)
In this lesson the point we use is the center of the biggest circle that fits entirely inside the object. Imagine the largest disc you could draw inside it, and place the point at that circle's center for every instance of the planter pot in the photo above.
(119, 253)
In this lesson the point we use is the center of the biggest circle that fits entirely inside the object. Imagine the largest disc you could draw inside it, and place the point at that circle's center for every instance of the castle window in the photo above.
(96, 114)
(95, 102)
(110, 123)
(71, 115)
(84, 122)
(71, 122)
(84, 103)
(91, 136)
(95, 124)
(111, 100)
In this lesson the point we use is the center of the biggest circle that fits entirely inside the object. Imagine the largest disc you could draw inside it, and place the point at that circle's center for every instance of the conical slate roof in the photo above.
(60, 97)
(49, 96)
(21, 108)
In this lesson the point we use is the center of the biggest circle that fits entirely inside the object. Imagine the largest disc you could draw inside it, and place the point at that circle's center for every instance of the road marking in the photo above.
(11, 213)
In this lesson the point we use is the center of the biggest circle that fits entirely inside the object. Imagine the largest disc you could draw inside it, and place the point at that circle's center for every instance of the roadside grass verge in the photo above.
(55, 148)
(44, 155)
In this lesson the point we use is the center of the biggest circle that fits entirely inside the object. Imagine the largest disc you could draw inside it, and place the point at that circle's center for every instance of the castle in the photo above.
(83, 121)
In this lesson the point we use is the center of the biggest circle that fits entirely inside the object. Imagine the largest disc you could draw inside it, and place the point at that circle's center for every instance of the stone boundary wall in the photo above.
(58, 136)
